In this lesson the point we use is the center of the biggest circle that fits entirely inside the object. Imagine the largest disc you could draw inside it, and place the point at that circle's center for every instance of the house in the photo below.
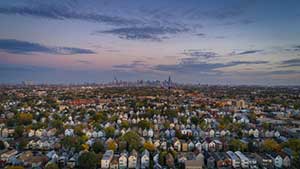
(200, 157)
(123, 160)
(8, 154)
(263, 161)
(184, 147)
(191, 146)
(71, 162)
(210, 163)
(145, 159)
(36, 161)
(106, 159)
(244, 160)
(114, 164)
(170, 160)
(132, 160)
(177, 145)
(222, 160)
(235, 161)
(252, 160)
(23, 157)
(62, 161)
(182, 157)
(193, 164)
(277, 160)
(286, 162)
(218, 145)
(4, 133)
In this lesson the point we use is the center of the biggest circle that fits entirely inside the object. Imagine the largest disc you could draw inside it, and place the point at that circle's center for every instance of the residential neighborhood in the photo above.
(147, 125)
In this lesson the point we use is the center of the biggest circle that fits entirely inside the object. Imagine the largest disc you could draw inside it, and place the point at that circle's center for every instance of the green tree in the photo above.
(195, 120)
(19, 130)
(98, 147)
(162, 157)
(109, 131)
(132, 139)
(237, 145)
(144, 124)
(51, 166)
(125, 124)
(87, 160)
(2, 145)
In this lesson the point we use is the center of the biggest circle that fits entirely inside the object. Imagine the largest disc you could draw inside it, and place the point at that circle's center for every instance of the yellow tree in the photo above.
(271, 145)
(111, 145)
(149, 146)
(14, 167)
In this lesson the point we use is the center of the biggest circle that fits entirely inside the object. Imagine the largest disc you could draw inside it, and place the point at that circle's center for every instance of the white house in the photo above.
(145, 159)
(277, 160)
(132, 160)
(286, 162)
(177, 145)
(244, 160)
(123, 160)
(106, 159)
(235, 161)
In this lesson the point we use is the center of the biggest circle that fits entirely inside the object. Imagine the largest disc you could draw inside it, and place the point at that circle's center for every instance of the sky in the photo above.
(232, 42)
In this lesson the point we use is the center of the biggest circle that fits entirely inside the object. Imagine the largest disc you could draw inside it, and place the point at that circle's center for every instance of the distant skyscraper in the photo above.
(169, 83)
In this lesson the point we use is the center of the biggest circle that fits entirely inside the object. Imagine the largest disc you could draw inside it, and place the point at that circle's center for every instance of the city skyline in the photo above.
(209, 42)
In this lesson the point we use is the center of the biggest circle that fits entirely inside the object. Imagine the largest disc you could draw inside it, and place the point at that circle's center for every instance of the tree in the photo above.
(125, 124)
(51, 165)
(19, 130)
(24, 118)
(144, 124)
(98, 147)
(149, 146)
(195, 120)
(162, 157)
(109, 131)
(111, 145)
(2, 145)
(14, 167)
(293, 144)
(270, 145)
(132, 139)
(87, 160)
(85, 147)
(78, 130)
(73, 142)
(99, 117)
(237, 145)
(22, 144)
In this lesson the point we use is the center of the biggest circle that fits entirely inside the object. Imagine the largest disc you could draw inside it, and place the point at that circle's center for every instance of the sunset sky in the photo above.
(194, 41)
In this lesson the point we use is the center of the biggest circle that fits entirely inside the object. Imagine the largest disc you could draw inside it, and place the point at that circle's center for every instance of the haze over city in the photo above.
(193, 41)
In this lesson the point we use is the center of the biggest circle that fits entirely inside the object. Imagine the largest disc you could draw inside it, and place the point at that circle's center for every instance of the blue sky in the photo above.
(194, 41)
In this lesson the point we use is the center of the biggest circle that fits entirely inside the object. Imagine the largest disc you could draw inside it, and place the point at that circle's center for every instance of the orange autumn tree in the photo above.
(271, 145)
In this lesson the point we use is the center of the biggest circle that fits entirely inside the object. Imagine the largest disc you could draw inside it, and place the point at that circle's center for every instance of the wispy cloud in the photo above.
(202, 67)
(295, 48)
(144, 33)
(195, 53)
(246, 52)
(83, 61)
(290, 63)
(23, 68)
(134, 65)
(62, 13)
(24, 47)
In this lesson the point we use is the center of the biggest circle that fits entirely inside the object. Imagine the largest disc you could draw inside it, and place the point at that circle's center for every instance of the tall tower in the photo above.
(169, 83)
